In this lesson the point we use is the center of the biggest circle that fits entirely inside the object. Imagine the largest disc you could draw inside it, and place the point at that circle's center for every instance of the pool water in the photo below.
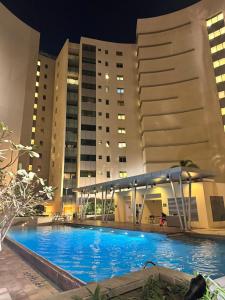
(95, 254)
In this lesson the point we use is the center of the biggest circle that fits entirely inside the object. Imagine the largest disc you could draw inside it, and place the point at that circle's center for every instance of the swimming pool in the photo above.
(95, 254)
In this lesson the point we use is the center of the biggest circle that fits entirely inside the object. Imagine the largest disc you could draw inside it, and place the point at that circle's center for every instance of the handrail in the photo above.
(147, 263)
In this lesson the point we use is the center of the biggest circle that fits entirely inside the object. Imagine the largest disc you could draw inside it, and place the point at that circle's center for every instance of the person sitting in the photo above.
(162, 219)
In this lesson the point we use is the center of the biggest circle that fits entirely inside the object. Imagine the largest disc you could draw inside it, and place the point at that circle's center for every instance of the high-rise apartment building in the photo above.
(115, 110)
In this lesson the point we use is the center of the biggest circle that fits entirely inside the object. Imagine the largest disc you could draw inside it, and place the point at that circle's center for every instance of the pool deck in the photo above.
(21, 280)
(128, 226)
(212, 232)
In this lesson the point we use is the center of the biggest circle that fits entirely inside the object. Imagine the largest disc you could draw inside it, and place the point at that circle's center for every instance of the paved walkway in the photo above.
(21, 280)
(212, 231)
(129, 226)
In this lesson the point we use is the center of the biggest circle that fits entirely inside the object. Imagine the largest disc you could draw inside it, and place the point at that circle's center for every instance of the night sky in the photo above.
(107, 20)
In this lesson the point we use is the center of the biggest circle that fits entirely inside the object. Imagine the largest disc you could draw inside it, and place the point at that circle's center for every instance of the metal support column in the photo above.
(134, 204)
(142, 204)
(104, 206)
(189, 203)
(110, 205)
(183, 202)
(95, 204)
(177, 206)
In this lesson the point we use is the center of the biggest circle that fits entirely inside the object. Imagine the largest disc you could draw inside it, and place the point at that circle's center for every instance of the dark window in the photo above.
(87, 157)
(43, 108)
(173, 209)
(45, 76)
(88, 127)
(99, 100)
(107, 158)
(89, 48)
(99, 61)
(107, 129)
(43, 119)
(89, 73)
(99, 49)
(108, 174)
(119, 65)
(86, 142)
(44, 97)
(120, 103)
(100, 113)
(85, 173)
(99, 86)
(106, 52)
(99, 127)
(46, 66)
(218, 210)
(106, 64)
(119, 53)
(88, 113)
(45, 86)
(122, 159)
(40, 155)
(70, 159)
(88, 60)
(99, 74)
(107, 115)
(89, 86)
(107, 102)
(41, 143)
(100, 157)
(88, 99)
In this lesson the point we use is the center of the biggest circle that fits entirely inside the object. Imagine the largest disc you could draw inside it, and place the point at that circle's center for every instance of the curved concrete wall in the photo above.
(179, 106)
(19, 45)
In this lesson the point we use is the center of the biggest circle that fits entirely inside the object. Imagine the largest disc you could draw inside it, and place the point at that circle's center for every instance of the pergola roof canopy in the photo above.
(153, 178)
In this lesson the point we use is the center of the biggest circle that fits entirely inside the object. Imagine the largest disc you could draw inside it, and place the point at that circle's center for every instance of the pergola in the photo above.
(180, 175)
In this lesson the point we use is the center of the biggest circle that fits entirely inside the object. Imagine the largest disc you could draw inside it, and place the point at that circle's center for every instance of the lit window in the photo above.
(38, 73)
(216, 33)
(30, 168)
(120, 91)
(121, 117)
(33, 129)
(219, 63)
(121, 130)
(122, 145)
(119, 77)
(106, 76)
(32, 142)
(37, 83)
(72, 81)
(123, 174)
(214, 20)
(223, 111)
(218, 48)
(221, 95)
(107, 144)
(220, 78)
(100, 142)
(106, 89)
(39, 63)
(36, 95)
(35, 105)
(34, 117)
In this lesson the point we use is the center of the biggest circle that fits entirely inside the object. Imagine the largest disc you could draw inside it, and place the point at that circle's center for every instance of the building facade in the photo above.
(115, 110)
(180, 72)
